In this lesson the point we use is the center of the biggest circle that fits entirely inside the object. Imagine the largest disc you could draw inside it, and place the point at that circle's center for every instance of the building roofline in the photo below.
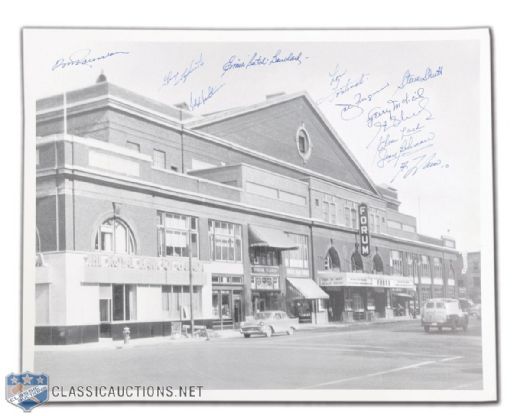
(109, 99)
(225, 115)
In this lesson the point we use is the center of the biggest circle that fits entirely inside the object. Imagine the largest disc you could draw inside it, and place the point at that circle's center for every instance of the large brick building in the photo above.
(261, 201)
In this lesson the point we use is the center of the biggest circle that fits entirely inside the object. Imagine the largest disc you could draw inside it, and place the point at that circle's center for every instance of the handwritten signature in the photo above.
(256, 60)
(396, 116)
(173, 78)
(83, 57)
(409, 78)
(340, 83)
(199, 99)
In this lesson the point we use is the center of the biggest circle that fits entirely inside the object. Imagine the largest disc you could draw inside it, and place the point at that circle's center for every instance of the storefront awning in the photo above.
(307, 288)
(403, 295)
(268, 237)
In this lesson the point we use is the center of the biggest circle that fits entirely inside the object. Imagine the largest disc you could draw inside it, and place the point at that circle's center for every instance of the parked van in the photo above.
(443, 313)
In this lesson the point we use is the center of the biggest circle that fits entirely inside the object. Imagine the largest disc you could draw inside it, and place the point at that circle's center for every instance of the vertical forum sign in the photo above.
(363, 230)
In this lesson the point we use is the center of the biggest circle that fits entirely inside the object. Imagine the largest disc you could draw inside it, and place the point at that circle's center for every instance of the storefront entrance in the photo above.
(227, 308)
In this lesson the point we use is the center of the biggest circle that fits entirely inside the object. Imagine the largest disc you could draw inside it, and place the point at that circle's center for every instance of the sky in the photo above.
(407, 110)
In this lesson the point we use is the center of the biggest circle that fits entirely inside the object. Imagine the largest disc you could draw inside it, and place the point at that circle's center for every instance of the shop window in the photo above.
(221, 304)
(114, 235)
(357, 303)
(176, 301)
(332, 261)
(177, 235)
(298, 258)
(124, 300)
(225, 241)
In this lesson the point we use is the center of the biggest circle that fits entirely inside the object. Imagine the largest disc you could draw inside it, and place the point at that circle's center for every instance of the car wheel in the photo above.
(247, 335)
(290, 331)
(269, 332)
(426, 328)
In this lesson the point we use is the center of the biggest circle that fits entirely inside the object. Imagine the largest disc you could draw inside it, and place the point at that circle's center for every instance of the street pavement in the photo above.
(396, 355)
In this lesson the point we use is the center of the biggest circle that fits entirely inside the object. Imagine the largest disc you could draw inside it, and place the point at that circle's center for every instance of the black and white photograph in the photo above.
(258, 215)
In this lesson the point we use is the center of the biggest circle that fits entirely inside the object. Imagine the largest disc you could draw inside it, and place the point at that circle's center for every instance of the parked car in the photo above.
(476, 311)
(444, 313)
(268, 323)
(466, 304)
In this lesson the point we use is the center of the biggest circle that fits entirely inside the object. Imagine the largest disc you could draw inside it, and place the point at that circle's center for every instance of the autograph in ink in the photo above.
(173, 78)
(199, 99)
(398, 120)
(83, 57)
(256, 60)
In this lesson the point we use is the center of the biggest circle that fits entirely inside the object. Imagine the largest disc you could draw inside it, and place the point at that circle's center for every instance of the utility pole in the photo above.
(192, 321)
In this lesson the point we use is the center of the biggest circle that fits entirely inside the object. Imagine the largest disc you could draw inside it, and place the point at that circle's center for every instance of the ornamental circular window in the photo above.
(303, 143)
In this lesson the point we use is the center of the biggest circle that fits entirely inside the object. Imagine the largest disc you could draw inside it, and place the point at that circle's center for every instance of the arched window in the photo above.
(356, 261)
(378, 263)
(115, 236)
(332, 261)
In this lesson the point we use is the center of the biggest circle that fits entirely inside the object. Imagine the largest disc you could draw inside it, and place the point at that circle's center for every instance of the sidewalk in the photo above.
(108, 344)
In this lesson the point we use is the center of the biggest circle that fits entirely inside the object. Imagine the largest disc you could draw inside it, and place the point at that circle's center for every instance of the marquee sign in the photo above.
(363, 230)
(338, 279)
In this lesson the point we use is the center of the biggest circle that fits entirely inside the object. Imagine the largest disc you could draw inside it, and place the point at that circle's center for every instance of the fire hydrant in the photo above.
(126, 335)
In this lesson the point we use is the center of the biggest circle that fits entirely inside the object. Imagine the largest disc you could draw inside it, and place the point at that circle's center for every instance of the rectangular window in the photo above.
(378, 224)
(326, 211)
(348, 221)
(134, 146)
(173, 232)
(425, 266)
(124, 301)
(396, 262)
(225, 241)
(298, 258)
(371, 222)
(354, 215)
(394, 224)
(333, 213)
(437, 267)
(159, 159)
(409, 228)
(264, 256)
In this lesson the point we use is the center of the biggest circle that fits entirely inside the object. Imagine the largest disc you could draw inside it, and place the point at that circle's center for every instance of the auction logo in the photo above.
(363, 230)
(27, 390)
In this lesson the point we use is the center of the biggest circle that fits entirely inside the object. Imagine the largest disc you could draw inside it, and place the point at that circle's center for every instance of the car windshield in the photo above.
(264, 315)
